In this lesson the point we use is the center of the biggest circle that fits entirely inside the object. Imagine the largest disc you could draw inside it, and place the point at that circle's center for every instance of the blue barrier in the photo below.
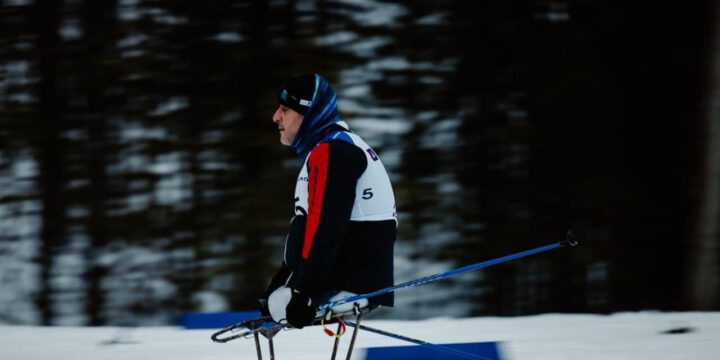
(214, 320)
(484, 351)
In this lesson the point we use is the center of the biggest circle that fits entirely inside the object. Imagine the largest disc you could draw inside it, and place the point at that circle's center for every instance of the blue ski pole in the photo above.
(568, 241)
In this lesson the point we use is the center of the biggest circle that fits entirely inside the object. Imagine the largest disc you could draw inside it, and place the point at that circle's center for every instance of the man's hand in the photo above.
(299, 312)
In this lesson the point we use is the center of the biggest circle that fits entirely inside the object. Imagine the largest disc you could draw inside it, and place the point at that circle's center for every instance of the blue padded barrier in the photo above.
(484, 351)
(214, 320)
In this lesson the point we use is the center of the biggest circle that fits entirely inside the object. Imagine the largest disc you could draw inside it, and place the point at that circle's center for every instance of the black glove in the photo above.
(299, 313)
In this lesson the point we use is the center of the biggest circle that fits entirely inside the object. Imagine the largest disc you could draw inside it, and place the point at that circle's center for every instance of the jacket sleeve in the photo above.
(334, 168)
(277, 281)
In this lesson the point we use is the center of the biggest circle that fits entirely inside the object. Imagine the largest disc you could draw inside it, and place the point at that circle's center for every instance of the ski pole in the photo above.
(568, 241)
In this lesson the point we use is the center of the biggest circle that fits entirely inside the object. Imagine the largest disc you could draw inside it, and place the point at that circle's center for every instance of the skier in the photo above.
(341, 238)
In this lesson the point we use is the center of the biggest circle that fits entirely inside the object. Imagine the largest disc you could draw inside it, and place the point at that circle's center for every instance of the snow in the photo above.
(640, 335)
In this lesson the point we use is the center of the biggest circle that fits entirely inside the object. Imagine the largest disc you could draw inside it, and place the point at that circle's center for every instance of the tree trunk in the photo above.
(99, 21)
(48, 147)
(704, 257)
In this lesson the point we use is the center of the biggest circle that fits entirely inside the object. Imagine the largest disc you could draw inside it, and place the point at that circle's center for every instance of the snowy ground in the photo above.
(620, 336)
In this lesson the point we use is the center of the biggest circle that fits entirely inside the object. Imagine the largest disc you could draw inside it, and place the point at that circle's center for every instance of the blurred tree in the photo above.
(705, 248)
(97, 79)
(493, 78)
(48, 145)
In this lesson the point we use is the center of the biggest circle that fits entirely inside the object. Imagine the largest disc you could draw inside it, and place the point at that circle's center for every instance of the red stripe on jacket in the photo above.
(317, 179)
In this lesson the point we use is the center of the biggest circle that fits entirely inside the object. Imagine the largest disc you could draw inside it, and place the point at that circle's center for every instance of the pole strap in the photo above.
(341, 329)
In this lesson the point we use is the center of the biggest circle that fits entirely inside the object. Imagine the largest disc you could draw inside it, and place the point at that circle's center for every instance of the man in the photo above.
(341, 239)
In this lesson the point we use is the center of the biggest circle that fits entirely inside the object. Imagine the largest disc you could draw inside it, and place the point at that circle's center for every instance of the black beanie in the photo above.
(297, 93)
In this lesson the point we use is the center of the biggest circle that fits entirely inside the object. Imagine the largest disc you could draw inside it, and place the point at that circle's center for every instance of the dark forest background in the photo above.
(141, 176)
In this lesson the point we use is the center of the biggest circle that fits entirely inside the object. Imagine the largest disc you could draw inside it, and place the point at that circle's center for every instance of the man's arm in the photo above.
(333, 171)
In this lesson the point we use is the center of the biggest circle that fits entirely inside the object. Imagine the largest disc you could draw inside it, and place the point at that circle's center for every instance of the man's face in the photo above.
(288, 122)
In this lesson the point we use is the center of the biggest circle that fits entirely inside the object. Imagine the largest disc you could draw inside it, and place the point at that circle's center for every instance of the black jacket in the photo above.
(344, 229)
